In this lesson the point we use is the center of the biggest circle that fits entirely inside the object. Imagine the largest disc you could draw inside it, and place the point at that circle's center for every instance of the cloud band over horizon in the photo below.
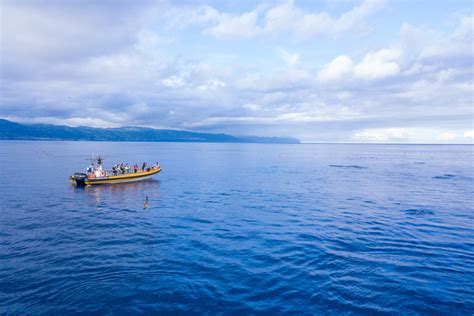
(351, 71)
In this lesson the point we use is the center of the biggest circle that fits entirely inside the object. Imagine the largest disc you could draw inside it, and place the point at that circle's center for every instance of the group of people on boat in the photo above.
(116, 169)
(94, 171)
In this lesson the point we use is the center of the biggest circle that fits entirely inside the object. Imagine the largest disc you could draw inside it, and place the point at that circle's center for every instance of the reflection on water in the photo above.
(129, 193)
(149, 184)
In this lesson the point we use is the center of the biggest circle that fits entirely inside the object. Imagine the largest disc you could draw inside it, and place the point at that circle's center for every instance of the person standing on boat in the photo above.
(143, 166)
(135, 168)
(90, 168)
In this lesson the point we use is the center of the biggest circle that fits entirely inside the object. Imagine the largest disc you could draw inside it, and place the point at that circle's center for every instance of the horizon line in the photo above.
(237, 143)
(301, 142)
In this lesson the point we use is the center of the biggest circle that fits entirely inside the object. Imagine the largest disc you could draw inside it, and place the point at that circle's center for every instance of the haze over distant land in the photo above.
(14, 131)
(320, 71)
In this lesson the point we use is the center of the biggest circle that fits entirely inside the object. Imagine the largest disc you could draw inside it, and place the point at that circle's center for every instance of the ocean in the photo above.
(239, 229)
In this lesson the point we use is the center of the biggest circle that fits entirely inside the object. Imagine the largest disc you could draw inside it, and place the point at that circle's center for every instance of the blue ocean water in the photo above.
(239, 228)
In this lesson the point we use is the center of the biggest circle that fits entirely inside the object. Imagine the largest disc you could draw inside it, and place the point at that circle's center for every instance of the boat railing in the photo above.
(111, 172)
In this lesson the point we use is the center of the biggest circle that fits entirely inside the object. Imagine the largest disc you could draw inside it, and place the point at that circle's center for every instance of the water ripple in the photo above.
(278, 230)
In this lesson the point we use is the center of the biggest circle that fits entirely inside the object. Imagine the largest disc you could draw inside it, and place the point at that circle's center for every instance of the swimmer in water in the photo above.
(145, 205)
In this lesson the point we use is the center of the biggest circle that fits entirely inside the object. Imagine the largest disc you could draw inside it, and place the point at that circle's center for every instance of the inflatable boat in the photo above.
(97, 175)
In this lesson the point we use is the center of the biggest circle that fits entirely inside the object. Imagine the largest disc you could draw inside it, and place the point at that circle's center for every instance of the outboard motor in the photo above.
(80, 178)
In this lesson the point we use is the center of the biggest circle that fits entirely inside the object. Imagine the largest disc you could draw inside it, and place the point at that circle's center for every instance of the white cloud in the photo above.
(381, 135)
(252, 106)
(351, 18)
(286, 17)
(337, 69)
(379, 64)
(228, 25)
(469, 135)
(289, 58)
(215, 23)
(374, 65)
(465, 30)
(344, 95)
(282, 115)
(410, 135)
(71, 121)
(283, 18)
(446, 136)
(421, 51)
(212, 84)
(173, 82)
(439, 46)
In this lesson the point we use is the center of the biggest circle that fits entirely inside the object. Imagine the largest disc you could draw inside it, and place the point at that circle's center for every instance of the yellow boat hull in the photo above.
(121, 178)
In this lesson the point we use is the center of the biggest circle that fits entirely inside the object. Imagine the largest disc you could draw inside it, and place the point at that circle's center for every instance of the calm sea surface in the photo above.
(239, 228)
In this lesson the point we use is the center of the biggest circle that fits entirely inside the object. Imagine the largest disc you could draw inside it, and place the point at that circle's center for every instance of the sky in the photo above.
(321, 71)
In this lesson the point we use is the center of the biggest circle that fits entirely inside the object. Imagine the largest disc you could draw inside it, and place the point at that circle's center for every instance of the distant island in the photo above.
(16, 131)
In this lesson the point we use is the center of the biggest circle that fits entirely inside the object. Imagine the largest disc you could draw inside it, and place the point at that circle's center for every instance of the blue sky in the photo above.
(323, 71)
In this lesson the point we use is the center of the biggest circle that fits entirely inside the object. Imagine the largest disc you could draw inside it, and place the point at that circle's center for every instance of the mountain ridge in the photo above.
(16, 131)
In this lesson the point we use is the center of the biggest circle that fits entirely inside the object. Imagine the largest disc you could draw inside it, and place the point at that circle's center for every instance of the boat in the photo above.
(97, 175)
